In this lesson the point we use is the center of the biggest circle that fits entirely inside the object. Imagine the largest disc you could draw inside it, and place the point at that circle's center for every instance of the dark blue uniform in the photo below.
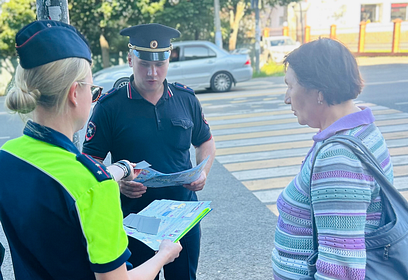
(131, 128)
(54, 210)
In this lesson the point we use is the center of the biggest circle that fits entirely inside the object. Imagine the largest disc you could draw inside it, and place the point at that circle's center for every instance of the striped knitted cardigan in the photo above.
(346, 205)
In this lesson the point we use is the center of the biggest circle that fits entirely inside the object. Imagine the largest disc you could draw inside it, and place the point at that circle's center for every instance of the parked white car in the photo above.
(199, 65)
(276, 47)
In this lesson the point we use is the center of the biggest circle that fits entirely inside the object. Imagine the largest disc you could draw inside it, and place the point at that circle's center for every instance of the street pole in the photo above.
(255, 5)
(56, 10)
(217, 23)
(301, 23)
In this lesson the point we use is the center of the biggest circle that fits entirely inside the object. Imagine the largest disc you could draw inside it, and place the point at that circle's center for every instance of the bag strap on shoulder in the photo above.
(367, 158)
(2, 253)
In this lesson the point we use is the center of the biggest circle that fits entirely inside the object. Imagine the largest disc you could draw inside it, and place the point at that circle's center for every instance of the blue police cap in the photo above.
(45, 41)
(151, 41)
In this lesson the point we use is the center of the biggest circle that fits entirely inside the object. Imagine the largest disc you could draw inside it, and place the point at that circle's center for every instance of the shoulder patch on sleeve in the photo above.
(183, 87)
(90, 131)
(97, 169)
(107, 95)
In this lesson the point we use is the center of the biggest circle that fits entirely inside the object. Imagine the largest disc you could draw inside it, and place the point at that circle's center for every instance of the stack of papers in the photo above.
(176, 219)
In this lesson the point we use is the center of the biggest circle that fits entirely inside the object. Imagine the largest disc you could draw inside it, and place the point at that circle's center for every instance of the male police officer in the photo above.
(159, 121)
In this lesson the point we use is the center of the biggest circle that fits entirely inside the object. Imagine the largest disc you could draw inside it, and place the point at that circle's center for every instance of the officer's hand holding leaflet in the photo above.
(198, 184)
(201, 153)
(132, 189)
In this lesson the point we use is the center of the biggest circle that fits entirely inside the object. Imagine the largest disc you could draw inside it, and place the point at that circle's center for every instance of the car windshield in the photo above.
(281, 42)
(275, 43)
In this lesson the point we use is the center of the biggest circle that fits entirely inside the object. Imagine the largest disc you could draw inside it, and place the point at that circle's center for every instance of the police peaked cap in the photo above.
(151, 41)
(45, 41)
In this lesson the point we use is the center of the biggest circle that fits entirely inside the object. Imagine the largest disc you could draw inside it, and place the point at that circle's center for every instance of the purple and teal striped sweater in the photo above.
(346, 204)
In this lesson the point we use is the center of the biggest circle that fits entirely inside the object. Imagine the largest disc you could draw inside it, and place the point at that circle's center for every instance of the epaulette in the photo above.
(107, 95)
(97, 169)
(183, 87)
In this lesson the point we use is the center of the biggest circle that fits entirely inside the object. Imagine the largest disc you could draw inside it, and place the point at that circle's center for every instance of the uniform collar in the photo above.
(363, 117)
(132, 92)
(50, 136)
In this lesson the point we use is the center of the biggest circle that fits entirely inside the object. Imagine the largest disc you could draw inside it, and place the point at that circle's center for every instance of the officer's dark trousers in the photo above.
(183, 268)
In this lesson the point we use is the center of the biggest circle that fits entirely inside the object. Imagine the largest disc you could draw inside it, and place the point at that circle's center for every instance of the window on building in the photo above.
(399, 10)
(371, 13)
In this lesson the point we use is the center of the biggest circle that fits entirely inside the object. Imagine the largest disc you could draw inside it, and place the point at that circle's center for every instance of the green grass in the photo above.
(270, 70)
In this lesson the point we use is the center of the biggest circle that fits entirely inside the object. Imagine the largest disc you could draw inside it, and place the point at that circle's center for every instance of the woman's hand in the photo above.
(169, 250)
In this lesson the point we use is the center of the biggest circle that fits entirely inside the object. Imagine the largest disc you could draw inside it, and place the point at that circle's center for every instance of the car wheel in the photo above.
(121, 82)
(221, 82)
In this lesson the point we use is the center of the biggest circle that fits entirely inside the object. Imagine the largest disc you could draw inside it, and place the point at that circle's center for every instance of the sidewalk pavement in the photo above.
(237, 236)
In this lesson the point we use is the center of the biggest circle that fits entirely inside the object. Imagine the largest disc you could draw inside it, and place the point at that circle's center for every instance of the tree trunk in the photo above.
(105, 51)
(197, 34)
(234, 24)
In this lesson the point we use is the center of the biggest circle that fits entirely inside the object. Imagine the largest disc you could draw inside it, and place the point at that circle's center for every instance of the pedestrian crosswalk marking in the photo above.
(389, 122)
(264, 140)
(271, 183)
(262, 164)
(264, 148)
(395, 135)
(398, 151)
(266, 134)
(401, 170)
(400, 160)
(251, 124)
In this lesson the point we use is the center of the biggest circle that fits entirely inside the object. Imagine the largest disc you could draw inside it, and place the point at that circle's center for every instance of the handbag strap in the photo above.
(2, 253)
(365, 156)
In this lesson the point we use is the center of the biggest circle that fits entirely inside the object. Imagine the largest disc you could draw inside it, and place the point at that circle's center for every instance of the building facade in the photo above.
(346, 16)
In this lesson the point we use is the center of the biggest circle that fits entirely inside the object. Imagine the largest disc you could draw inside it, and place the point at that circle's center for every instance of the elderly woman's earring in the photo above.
(320, 98)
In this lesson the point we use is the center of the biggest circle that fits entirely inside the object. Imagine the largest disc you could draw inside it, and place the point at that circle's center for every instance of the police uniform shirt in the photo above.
(130, 127)
(60, 210)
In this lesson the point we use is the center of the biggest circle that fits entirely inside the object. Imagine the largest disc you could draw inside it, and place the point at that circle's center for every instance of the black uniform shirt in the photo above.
(131, 128)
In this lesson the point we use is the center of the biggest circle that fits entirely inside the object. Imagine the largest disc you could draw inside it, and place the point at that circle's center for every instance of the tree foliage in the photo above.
(101, 20)
(14, 16)
(193, 18)
(233, 7)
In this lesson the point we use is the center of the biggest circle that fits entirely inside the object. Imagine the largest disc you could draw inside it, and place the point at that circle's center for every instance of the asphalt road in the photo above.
(237, 236)
(386, 85)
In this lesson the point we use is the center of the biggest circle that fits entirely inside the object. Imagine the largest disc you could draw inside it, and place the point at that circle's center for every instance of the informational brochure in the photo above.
(155, 179)
(176, 219)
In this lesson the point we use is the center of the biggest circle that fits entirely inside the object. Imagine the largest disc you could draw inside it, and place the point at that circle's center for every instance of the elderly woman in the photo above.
(323, 79)
(59, 208)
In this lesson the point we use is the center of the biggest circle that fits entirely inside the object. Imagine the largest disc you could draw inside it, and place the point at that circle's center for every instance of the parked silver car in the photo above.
(276, 47)
(198, 64)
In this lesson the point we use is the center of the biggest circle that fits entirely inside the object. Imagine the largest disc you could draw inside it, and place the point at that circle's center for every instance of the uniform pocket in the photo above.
(181, 133)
